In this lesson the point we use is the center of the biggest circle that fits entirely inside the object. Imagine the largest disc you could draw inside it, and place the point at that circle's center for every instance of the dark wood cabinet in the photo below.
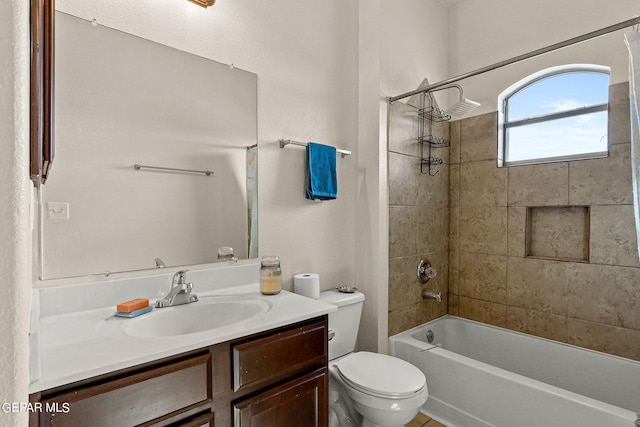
(295, 403)
(263, 361)
(274, 378)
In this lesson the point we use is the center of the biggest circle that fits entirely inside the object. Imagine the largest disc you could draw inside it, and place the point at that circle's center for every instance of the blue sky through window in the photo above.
(559, 93)
(554, 139)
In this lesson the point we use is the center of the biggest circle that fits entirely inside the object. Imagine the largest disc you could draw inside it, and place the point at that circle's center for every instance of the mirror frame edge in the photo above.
(41, 125)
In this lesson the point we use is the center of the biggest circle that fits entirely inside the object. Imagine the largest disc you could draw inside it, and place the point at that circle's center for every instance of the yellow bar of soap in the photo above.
(134, 304)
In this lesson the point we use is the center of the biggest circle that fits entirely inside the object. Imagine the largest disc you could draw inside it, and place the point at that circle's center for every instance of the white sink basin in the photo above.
(207, 314)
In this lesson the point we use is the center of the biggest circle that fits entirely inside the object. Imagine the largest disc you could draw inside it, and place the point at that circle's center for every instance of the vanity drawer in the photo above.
(263, 361)
(140, 398)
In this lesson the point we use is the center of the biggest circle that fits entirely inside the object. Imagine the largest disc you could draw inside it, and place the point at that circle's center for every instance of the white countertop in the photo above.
(74, 345)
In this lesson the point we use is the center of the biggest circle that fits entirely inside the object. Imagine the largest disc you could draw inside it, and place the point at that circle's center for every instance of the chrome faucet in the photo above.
(180, 292)
(432, 295)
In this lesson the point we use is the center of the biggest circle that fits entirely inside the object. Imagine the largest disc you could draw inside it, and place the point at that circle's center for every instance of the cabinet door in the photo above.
(300, 402)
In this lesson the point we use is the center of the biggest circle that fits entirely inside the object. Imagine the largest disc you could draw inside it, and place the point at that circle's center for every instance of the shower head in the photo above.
(461, 108)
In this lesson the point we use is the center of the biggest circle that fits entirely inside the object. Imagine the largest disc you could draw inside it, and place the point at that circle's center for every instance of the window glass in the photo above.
(559, 93)
(576, 137)
(554, 115)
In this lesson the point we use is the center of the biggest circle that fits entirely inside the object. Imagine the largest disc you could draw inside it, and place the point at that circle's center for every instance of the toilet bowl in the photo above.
(367, 389)
(384, 390)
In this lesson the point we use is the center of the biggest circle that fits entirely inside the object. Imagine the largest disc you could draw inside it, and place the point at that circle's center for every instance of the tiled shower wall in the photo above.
(418, 222)
(593, 303)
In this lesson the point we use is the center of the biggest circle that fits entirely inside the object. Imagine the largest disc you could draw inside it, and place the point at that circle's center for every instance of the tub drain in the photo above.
(430, 336)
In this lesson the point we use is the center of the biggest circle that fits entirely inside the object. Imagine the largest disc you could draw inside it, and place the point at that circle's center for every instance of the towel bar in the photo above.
(285, 142)
(139, 167)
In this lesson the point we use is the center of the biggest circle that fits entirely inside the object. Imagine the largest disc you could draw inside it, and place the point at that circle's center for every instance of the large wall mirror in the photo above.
(121, 101)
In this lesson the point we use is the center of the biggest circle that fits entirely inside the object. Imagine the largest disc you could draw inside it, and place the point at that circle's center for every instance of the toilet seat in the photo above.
(380, 375)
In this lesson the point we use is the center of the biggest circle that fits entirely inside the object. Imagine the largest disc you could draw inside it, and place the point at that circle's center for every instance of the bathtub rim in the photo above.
(409, 332)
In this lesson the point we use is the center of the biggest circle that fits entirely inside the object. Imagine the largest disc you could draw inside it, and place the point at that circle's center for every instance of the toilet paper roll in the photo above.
(307, 284)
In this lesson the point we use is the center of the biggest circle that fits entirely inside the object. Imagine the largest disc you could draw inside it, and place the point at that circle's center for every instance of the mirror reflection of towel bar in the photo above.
(285, 142)
(139, 167)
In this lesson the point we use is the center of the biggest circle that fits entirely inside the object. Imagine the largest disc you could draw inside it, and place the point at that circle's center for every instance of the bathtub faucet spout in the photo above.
(432, 295)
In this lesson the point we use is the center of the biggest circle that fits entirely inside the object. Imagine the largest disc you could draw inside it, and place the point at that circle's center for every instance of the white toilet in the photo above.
(367, 389)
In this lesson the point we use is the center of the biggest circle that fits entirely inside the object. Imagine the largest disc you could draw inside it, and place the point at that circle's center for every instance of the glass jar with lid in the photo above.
(270, 275)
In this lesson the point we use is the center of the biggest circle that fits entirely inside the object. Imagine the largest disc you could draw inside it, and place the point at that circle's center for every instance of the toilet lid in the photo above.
(381, 375)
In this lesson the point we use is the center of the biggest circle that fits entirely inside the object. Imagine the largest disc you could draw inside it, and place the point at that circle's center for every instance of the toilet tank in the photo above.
(344, 322)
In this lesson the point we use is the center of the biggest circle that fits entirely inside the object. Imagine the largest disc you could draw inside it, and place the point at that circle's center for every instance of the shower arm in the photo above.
(451, 86)
(537, 52)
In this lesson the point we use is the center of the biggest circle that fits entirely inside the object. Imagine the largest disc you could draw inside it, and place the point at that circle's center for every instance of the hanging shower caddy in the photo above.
(430, 114)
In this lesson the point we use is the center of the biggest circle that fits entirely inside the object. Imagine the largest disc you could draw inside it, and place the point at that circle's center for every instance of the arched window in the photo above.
(557, 114)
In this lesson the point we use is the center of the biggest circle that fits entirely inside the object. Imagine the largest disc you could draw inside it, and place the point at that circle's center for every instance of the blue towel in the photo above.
(322, 181)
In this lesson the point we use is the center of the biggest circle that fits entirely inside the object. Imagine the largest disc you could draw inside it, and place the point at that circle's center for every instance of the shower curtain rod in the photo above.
(537, 52)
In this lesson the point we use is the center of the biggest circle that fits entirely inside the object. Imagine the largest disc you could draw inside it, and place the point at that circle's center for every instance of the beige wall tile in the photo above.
(483, 311)
(516, 231)
(418, 223)
(483, 230)
(537, 323)
(403, 231)
(539, 185)
(433, 231)
(403, 318)
(483, 184)
(479, 138)
(613, 237)
(404, 287)
(453, 304)
(619, 122)
(604, 294)
(454, 272)
(413, 315)
(454, 229)
(483, 277)
(609, 339)
(454, 185)
(403, 129)
(454, 150)
(433, 191)
(404, 176)
(602, 181)
(536, 284)
(560, 232)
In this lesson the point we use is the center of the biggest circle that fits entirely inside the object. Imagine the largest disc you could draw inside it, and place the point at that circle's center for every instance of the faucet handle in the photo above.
(180, 277)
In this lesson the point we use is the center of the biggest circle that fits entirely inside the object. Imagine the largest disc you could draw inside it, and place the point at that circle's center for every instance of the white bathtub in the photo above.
(481, 375)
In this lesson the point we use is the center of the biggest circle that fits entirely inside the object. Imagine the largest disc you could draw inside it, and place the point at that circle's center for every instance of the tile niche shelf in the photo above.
(558, 233)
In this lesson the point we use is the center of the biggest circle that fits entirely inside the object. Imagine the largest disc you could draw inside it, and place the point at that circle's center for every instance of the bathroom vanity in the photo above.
(275, 378)
(269, 369)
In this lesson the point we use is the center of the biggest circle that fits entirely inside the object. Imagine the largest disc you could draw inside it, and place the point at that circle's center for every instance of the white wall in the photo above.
(15, 193)
(488, 31)
(414, 44)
